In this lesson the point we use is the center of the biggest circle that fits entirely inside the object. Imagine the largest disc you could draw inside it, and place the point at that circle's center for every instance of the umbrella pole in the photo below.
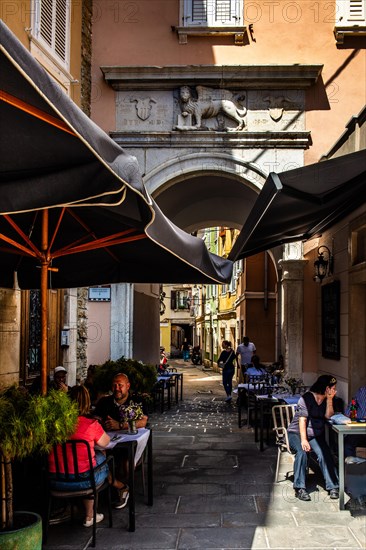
(44, 300)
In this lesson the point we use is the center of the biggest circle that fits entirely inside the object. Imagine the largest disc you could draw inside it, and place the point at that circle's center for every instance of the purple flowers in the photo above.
(133, 411)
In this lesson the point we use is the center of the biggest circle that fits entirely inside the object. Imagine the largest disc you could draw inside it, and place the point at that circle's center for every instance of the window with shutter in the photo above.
(210, 17)
(351, 19)
(52, 27)
(173, 299)
(212, 13)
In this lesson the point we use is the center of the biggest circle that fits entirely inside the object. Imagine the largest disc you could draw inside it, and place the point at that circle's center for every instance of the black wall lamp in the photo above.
(323, 266)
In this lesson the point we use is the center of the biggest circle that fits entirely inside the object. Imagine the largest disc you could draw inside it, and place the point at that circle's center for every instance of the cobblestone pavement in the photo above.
(213, 489)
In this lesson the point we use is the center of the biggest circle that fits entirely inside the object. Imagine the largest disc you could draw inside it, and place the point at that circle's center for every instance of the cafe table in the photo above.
(135, 445)
(355, 428)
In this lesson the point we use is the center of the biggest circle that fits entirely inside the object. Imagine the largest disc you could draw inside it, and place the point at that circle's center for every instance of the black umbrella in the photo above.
(302, 203)
(72, 202)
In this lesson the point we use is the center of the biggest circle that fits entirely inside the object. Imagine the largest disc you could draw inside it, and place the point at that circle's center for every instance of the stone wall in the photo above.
(82, 333)
(86, 55)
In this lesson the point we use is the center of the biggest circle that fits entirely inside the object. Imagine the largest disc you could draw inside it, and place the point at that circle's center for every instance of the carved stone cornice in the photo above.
(197, 138)
(236, 77)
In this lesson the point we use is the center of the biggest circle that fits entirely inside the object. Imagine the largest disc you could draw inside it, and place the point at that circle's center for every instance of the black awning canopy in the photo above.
(102, 225)
(302, 203)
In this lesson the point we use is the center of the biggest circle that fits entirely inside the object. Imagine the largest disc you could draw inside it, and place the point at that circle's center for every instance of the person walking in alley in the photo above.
(306, 433)
(226, 363)
(246, 350)
(185, 350)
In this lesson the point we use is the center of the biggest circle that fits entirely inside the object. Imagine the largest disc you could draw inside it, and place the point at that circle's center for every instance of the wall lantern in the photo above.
(323, 266)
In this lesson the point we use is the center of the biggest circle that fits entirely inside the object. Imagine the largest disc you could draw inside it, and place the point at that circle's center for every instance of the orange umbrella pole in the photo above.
(44, 298)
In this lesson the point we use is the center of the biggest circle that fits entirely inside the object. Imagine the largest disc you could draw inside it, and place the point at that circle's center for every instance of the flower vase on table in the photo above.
(293, 384)
(131, 413)
(132, 427)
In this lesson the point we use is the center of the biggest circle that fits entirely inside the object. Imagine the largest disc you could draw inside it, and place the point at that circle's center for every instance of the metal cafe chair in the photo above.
(282, 416)
(63, 474)
(257, 385)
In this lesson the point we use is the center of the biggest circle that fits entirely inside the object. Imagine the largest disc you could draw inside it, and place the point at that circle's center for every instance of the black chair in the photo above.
(62, 474)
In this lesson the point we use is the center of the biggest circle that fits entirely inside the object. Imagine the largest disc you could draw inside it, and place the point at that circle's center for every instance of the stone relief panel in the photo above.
(191, 108)
(144, 111)
(276, 110)
(200, 104)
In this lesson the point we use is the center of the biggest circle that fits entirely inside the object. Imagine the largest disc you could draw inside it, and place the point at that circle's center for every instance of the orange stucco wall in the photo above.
(139, 33)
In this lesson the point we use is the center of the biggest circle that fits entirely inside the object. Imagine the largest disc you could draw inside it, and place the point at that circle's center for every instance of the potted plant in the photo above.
(28, 424)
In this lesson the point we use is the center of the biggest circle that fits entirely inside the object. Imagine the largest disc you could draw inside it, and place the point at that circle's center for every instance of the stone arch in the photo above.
(176, 169)
(204, 189)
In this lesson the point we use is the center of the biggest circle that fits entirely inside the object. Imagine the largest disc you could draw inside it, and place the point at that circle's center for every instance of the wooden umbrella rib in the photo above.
(56, 229)
(34, 111)
(23, 235)
(19, 246)
(99, 243)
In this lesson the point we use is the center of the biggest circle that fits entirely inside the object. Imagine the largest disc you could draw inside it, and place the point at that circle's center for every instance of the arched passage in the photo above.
(205, 190)
(198, 191)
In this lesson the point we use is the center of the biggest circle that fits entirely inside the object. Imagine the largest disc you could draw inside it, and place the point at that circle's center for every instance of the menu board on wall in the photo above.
(331, 320)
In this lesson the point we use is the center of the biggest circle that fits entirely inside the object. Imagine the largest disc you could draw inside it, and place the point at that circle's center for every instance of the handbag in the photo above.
(223, 365)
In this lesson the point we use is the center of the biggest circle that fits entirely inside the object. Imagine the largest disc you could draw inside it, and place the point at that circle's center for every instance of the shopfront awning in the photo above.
(302, 203)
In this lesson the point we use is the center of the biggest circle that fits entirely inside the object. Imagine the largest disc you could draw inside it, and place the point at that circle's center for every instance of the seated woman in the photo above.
(90, 430)
(306, 433)
(255, 368)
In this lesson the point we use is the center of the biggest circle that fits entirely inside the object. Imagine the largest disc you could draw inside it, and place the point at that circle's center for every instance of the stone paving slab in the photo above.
(312, 537)
(218, 538)
(216, 503)
(148, 538)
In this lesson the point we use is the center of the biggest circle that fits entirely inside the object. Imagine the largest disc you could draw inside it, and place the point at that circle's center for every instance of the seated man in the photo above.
(59, 380)
(110, 410)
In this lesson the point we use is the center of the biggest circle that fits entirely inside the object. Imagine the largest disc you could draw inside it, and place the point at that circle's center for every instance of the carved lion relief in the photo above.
(208, 104)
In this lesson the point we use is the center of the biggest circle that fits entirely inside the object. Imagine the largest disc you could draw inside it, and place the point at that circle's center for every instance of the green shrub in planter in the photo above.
(29, 424)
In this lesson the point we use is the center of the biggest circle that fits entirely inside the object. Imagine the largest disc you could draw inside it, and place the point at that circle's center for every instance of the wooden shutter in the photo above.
(351, 12)
(173, 299)
(53, 24)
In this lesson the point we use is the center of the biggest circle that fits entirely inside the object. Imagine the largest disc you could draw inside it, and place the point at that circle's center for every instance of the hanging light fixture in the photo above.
(323, 266)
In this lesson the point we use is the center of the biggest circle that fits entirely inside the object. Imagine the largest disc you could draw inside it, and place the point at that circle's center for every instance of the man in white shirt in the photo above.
(246, 351)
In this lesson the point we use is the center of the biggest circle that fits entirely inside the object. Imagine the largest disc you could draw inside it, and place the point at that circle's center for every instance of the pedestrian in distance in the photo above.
(185, 350)
(226, 362)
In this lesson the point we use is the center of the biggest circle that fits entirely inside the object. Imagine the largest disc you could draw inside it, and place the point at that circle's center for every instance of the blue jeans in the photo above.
(185, 354)
(227, 380)
(325, 460)
(76, 485)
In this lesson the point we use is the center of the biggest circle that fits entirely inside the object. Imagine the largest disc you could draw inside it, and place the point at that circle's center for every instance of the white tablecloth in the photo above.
(141, 437)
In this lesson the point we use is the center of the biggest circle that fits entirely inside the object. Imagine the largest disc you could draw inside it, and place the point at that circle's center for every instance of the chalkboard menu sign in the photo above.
(331, 320)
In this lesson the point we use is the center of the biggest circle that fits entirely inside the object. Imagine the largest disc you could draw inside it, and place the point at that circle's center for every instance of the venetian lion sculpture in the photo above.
(210, 103)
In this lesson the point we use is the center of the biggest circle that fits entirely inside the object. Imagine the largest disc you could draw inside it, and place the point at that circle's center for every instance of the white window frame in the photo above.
(191, 7)
(351, 19)
(210, 25)
(59, 30)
